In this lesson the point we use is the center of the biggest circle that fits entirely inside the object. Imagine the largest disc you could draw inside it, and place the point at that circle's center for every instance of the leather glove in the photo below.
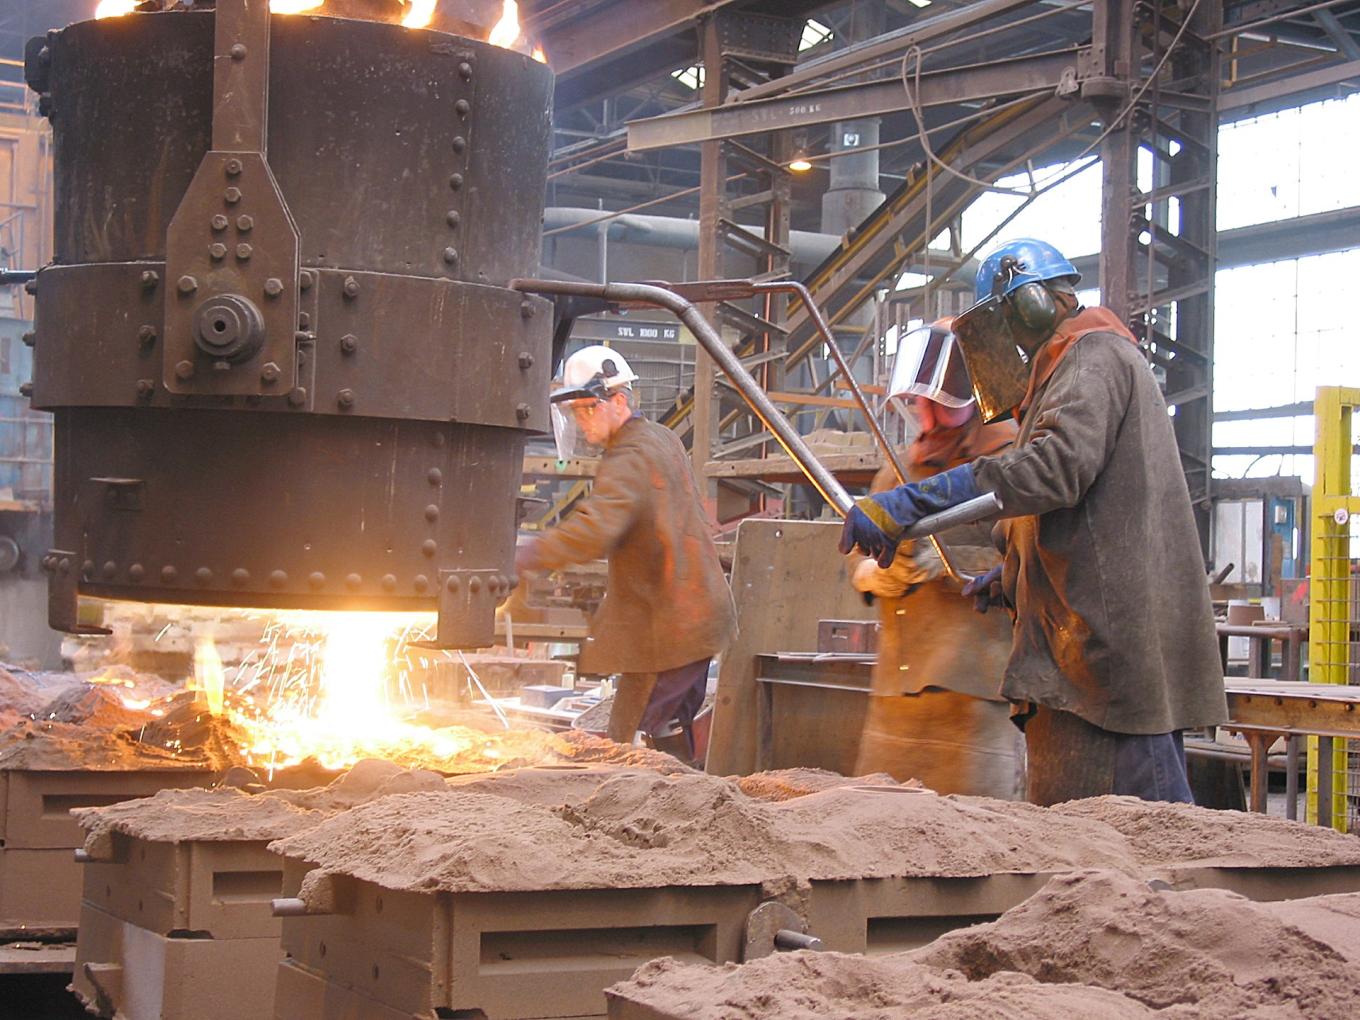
(875, 523)
(916, 563)
(985, 590)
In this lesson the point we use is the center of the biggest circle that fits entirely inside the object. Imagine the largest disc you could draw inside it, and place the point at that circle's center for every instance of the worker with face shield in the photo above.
(1114, 651)
(667, 609)
(936, 712)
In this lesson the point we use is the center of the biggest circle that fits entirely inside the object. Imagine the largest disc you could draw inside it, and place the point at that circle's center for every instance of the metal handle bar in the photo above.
(675, 301)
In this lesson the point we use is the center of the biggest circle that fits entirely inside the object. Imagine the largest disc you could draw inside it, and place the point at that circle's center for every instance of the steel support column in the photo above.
(1158, 247)
(712, 203)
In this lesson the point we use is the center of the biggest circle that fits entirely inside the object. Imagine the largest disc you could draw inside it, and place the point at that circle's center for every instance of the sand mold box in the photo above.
(1089, 944)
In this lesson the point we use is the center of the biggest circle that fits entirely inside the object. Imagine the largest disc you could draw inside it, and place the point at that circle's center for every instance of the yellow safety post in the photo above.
(1334, 585)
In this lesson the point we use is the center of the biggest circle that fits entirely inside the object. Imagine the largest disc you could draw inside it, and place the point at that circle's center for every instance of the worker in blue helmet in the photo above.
(1114, 651)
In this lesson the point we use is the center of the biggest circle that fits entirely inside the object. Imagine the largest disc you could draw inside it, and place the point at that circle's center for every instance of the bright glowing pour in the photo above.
(320, 687)
(115, 8)
(505, 33)
(418, 13)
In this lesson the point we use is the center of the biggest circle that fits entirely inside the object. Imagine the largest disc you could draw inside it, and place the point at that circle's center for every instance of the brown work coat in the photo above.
(667, 603)
(931, 636)
(1102, 557)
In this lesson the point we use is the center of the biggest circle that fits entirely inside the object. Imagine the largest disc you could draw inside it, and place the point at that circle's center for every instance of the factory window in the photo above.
(1281, 326)
(1305, 173)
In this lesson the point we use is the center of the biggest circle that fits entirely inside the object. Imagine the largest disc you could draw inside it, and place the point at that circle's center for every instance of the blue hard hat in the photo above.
(1016, 263)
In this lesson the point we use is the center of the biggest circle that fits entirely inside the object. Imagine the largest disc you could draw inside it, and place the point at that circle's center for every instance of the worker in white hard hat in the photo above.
(667, 609)
(936, 712)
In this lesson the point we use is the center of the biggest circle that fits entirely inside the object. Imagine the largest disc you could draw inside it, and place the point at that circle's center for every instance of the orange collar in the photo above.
(1068, 332)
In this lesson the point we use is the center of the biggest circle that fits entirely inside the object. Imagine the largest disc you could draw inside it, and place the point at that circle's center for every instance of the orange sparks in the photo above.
(115, 8)
(293, 6)
(539, 55)
(418, 13)
(506, 32)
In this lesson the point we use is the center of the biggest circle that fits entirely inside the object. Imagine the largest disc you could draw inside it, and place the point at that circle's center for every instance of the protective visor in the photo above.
(929, 364)
(997, 368)
(571, 439)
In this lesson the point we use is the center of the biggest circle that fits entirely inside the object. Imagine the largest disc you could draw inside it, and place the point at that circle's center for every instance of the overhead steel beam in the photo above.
(1302, 408)
(872, 99)
(1236, 99)
(615, 28)
(1346, 44)
(916, 34)
(1296, 237)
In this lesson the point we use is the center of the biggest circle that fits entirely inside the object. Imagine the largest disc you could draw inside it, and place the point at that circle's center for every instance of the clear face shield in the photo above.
(998, 369)
(929, 364)
(571, 420)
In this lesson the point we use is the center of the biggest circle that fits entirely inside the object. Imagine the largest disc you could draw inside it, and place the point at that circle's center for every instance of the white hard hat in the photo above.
(595, 371)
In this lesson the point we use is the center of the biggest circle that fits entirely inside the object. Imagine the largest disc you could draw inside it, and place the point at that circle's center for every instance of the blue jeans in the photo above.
(1151, 767)
(648, 701)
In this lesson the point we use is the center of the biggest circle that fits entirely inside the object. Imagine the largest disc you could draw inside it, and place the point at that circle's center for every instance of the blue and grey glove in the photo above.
(876, 523)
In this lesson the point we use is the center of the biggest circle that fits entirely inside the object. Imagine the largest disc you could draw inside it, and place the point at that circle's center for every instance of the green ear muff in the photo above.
(1034, 307)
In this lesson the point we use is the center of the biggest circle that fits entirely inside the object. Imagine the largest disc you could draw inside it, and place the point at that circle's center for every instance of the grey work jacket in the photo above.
(1103, 562)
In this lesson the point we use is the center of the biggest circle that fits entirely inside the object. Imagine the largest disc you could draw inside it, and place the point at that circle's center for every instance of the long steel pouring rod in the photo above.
(889, 452)
(770, 416)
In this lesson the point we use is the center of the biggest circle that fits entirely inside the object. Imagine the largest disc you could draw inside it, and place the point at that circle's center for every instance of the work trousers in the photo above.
(1067, 758)
(649, 701)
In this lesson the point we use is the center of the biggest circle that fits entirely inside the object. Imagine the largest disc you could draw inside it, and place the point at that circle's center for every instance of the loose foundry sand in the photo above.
(571, 811)
(1089, 944)
(640, 829)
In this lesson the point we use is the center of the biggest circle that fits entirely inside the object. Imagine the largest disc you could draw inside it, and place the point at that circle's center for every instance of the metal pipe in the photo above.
(290, 906)
(787, 938)
(819, 321)
(978, 509)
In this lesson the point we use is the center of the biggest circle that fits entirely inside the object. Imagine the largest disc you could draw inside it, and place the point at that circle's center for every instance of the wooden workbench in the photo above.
(1264, 710)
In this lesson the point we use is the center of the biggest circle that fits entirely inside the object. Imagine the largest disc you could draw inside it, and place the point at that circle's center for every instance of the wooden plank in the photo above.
(812, 400)
(848, 467)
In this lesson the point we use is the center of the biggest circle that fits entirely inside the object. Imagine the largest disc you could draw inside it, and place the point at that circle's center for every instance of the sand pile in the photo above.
(180, 816)
(1225, 955)
(643, 829)
(24, 693)
(786, 784)
(550, 829)
(815, 986)
(226, 814)
(1090, 944)
(59, 747)
(1162, 833)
